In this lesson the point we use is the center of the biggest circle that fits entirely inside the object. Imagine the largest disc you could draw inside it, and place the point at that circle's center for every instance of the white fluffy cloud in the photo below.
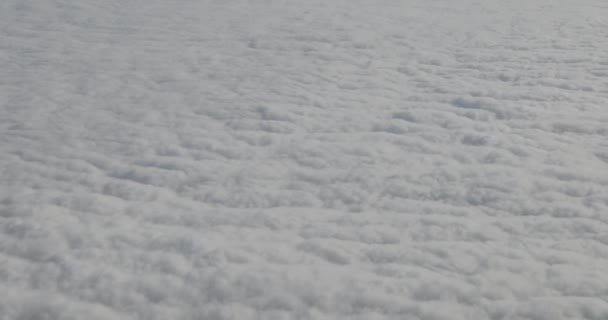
(322, 160)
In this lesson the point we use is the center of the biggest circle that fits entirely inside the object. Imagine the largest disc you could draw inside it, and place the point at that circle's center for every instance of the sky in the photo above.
(199, 159)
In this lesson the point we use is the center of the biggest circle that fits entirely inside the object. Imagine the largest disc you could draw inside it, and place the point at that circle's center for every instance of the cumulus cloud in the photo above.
(320, 160)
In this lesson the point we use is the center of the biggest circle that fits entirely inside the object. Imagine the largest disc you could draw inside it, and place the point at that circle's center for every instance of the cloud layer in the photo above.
(323, 160)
